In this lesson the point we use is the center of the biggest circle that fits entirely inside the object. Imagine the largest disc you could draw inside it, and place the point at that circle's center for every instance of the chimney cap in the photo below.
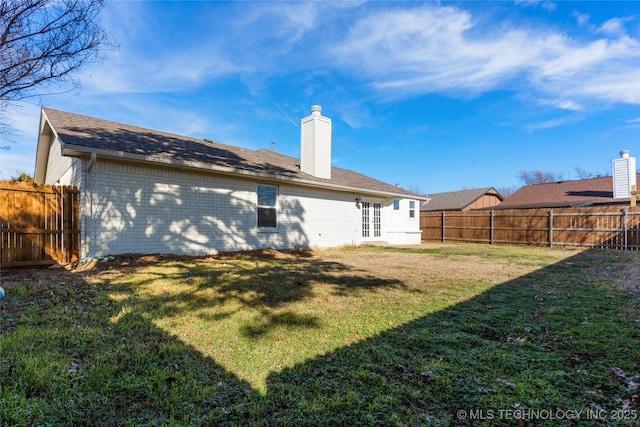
(316, 109)
(624, 154)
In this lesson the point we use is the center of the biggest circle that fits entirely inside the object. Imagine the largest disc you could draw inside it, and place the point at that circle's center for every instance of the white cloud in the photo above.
(294, 20)
(128, 72)
(287, 116)
(214, 41)
(581, 18)
(429, 49)
(549, 6)
(562, 104)
(614, 26)
(545, 5)
(22, 126)
(527, 3)
(23, 117)
(558, 121)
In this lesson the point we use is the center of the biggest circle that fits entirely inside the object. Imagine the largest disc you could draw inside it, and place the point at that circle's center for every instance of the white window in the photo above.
(267, 206)
(412, 209)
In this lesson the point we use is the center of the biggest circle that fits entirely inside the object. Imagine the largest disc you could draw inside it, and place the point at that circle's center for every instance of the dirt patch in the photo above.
(125, 261)
(629, 277)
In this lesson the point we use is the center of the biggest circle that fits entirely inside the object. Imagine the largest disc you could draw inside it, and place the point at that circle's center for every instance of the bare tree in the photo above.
(415, 189)
(44, 42)
(506, 191)
(538, 177)
(583, 174)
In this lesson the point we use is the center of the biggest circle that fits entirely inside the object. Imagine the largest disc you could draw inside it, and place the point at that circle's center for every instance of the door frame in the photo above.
(371, 220)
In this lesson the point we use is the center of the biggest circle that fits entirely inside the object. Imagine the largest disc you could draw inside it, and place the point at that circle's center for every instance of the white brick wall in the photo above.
(130, 208)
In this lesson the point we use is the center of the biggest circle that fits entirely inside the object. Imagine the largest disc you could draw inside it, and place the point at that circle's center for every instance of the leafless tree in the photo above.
(506, 191)
(583, 174)
(538, 177)
(44, 42)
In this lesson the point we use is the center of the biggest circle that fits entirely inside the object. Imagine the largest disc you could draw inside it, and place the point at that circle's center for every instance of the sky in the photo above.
(434, 96)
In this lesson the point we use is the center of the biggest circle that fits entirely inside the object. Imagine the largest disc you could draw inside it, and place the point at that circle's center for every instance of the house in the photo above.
(463, 200)
(575, 193)
(145, 191)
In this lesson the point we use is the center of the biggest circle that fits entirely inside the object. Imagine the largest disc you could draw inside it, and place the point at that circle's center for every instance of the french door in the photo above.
(371, 221)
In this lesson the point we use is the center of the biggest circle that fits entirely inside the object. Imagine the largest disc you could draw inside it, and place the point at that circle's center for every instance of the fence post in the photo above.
(443, 227)
(491, 228)
(626, 228)
(550, 228)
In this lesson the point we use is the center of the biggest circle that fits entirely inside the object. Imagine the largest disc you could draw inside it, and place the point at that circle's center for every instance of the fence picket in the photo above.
(607, 227)
(38, 224)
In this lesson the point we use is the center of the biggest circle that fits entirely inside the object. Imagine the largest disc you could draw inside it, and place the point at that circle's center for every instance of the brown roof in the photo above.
(581, 192)
(456, 200)
(82, 135)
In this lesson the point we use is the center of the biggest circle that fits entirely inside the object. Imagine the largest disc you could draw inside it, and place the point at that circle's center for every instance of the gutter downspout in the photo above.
(92, 162)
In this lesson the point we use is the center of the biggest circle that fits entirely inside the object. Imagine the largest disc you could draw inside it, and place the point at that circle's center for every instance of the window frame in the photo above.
(412, 209)
(261, 207)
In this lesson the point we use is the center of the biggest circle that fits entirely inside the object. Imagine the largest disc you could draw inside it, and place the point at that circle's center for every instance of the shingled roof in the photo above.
(581, 192)
(455, 200)
(82, 135)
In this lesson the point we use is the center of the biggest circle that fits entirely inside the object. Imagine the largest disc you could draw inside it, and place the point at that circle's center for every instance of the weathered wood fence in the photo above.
(38, 224)
(610, 227)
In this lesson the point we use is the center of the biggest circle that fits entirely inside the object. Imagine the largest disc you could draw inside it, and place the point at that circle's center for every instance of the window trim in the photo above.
(274, 207)
(412, 209)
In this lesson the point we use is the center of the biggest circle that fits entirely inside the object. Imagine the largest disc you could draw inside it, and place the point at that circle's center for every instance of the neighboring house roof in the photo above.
(82, 135)
(456, 200)
(581, 192)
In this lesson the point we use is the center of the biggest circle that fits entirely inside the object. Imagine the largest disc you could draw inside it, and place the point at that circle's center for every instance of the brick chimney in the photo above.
(315, 144)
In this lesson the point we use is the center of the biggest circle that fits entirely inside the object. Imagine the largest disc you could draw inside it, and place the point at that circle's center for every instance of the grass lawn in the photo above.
(440, 335)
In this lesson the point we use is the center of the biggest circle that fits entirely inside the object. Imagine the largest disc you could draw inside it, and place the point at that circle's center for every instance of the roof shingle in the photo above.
(87, 133)
(454, 200)
(582, 192)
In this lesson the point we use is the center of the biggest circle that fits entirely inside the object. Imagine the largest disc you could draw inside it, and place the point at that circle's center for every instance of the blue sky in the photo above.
(435, 96)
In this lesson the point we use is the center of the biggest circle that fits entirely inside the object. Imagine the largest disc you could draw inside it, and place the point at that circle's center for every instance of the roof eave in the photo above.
(82, 151)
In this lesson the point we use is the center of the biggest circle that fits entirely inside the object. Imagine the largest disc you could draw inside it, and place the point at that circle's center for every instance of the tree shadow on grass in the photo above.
(560, 340)
(556, 339)
(267, 281)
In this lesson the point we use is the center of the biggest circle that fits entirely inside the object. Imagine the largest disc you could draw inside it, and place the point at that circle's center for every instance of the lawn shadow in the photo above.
(265, 281)
(562, 339)
(71, 355)
(556, 339)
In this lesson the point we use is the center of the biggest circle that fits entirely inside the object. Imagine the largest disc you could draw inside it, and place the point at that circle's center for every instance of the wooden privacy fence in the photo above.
(38, 224)
(610, 227)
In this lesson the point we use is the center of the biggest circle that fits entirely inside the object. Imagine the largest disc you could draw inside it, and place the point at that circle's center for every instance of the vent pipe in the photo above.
(624, 175)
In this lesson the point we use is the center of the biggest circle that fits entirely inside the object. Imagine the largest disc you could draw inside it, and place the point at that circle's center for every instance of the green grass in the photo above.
(321, 340)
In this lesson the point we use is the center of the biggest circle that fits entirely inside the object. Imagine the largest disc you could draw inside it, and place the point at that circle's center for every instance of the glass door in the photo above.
(366, 219)
(371, 220)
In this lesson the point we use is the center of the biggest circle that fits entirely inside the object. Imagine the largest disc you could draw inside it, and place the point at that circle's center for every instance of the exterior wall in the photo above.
(128, 208)
(60, 169)
(402, 228)
(69, 171)
(487, 201)
(135, 209)
(326, 218)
